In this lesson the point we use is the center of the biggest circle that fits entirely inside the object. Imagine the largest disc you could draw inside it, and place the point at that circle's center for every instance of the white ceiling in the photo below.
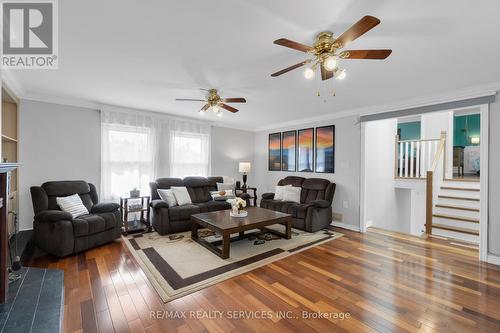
(144, 54)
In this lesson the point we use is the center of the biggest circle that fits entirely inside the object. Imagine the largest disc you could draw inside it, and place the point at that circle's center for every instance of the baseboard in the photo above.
(493, 259)
(345, 226)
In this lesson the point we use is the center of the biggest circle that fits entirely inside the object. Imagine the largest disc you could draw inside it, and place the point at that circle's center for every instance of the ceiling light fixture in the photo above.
(215, 108)
(309, 73)
(331, 62)
(340, 74)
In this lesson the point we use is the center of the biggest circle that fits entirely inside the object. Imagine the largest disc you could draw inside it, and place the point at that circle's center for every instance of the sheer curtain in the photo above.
(138, 147)
(189, 149)
(129, 143)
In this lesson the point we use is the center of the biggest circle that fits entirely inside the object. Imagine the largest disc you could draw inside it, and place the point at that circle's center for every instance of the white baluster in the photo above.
(429, 158)
(400, 159)
(412, 147)
(418, 160)
(422, 163)
(406, 159)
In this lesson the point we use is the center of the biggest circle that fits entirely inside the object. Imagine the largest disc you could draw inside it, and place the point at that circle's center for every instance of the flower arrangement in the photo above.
(237, 204)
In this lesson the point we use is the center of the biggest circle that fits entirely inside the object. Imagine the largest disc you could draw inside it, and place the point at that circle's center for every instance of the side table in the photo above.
(253, 189)
(139, 205)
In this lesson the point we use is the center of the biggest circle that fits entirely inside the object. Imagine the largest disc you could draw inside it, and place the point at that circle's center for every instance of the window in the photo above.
(189, 154)
(128, 159)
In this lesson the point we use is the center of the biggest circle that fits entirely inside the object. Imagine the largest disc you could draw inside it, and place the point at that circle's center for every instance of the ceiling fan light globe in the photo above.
(331, 63)
(309, 73)
(340, 74)
(215, 108)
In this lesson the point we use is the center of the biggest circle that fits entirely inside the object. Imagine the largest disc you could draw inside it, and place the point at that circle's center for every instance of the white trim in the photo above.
(493, 259)
(467, 93)
(483, 154)
(362, 190)
(345, 226)
(488, 89)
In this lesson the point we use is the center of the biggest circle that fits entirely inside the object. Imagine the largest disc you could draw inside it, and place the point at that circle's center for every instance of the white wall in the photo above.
(228, 148)
(494, 179)
(432, 126)
(56, 142)
(347, 166)
(385, 206)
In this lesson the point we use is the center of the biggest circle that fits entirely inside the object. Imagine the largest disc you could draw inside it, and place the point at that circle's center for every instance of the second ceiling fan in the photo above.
(215, 102)
(326, 51)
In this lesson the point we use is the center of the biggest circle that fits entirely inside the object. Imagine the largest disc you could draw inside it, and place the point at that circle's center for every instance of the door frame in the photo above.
(484, 195)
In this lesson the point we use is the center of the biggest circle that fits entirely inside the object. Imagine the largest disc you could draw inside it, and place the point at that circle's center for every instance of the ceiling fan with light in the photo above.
(327, 54)
(215, 102)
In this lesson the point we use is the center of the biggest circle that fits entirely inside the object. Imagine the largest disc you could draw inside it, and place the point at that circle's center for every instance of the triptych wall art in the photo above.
(304, 150)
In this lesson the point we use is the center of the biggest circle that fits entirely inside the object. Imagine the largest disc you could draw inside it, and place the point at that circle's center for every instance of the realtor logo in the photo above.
(29, 31)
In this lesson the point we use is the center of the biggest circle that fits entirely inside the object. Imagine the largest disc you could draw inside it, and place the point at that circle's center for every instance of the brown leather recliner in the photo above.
(314, 212)
(169, 220)
(58, 233)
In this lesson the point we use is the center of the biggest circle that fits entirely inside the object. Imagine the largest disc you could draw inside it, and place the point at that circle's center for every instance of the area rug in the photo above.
(180, 267)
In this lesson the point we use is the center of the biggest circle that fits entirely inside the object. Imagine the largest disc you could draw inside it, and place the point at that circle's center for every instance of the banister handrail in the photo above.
(442, 143)
(429, 204)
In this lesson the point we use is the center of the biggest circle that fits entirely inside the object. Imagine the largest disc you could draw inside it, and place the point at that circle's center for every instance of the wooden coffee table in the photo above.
(223, 224)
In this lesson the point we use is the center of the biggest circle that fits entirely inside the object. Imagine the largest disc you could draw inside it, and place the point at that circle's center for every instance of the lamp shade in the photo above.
(244, 167)
(474, 140)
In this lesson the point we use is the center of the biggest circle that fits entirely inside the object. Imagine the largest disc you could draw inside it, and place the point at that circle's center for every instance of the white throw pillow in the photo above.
(72, 204)
(278, 193)
(167, 196)
(181, 195)
(225, 186)
(292, 193)
(217, 196)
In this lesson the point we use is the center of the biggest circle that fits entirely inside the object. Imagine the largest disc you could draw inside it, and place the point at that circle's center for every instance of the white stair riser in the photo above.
(456, 202)
(456, 235)
(457, 212)
(475, 185)
(455, 223)
(463, 194)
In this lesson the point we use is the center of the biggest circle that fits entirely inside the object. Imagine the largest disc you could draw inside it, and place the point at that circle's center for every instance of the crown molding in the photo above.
(464, 93)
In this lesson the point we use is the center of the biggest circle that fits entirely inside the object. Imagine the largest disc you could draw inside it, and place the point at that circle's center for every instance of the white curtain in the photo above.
(138, 147)
(189, 149)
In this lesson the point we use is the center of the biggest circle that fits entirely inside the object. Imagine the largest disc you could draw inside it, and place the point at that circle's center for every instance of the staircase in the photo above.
(456, 211)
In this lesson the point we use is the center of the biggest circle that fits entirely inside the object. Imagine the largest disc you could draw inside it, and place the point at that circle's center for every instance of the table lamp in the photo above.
(244, 167)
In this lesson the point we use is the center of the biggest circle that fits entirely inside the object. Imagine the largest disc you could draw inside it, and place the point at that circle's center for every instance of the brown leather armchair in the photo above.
(314, 212)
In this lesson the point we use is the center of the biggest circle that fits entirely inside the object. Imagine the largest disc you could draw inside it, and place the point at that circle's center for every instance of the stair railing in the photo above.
(434, 180)
(413, 158)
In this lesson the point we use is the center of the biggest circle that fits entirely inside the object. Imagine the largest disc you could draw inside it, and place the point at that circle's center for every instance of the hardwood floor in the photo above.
(387, 282)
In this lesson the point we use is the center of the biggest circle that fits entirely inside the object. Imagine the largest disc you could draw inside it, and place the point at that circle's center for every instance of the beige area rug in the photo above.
(180, 267)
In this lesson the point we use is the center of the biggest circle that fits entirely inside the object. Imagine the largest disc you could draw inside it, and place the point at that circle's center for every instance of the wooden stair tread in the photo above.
(457, 218)
(456, 229)
(459, 188)
(457, 198)
(458, 207)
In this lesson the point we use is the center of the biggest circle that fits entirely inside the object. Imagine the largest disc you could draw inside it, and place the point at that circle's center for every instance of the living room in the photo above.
(182, 174)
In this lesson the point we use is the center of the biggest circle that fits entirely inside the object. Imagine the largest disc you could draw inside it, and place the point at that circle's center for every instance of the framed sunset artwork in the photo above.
(325, 149)
(305, 150)
(288, 151)
(274, 150)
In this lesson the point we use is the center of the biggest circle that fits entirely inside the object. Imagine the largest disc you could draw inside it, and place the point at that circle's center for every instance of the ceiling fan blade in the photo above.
(325, 74)
(234, 100)
(293, 45)
(291, 68)
(205, 107)
(365, 54)
(359, 28)
(228, 108)
(190, 99)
